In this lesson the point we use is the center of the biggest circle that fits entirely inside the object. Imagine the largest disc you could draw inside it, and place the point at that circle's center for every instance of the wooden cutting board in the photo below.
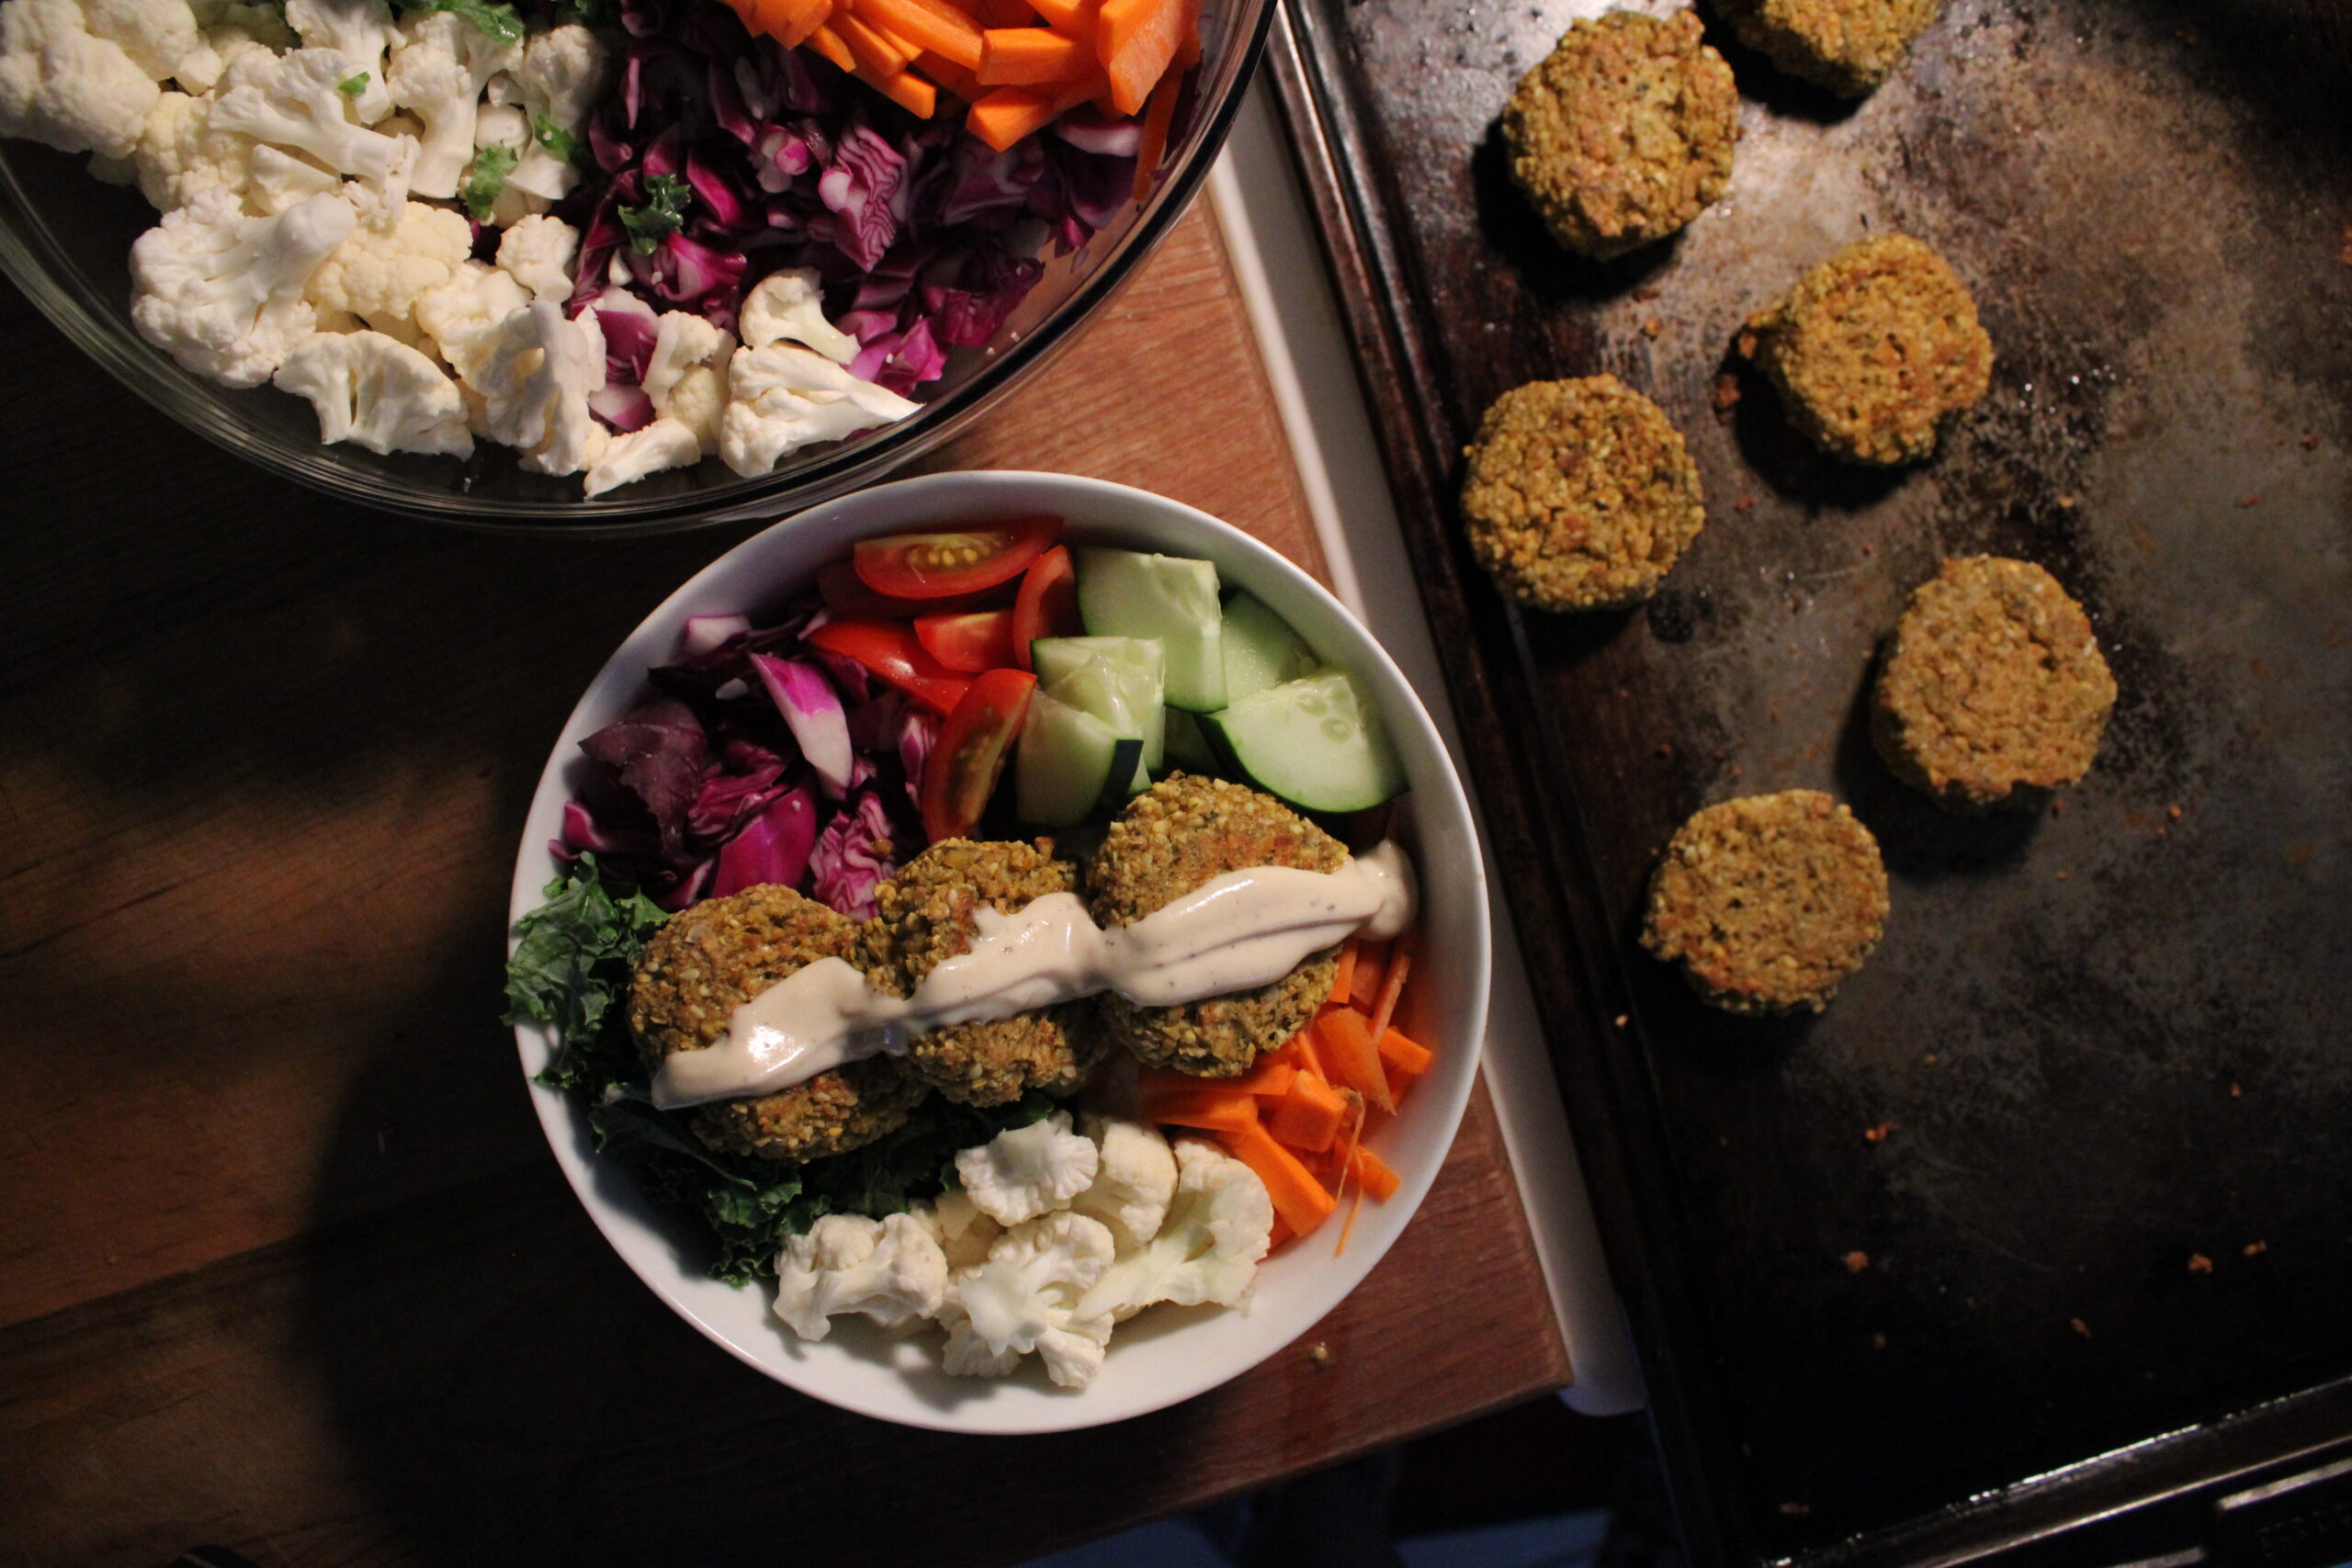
(286, 1266)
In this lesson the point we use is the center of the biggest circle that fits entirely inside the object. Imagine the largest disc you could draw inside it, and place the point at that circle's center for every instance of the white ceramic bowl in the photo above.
(1165, 1354)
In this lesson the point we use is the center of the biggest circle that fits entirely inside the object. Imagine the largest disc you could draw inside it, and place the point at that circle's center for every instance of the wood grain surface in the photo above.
(285, 1265)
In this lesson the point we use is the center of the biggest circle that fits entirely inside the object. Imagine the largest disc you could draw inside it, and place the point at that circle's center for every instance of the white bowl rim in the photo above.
(904, 504)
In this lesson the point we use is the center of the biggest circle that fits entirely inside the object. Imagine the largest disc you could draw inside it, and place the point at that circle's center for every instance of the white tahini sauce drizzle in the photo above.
(1242, 930)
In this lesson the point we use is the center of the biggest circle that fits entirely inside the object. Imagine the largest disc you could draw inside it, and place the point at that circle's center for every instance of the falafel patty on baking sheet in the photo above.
(927, 914)
(1623, 134)
(1183, 833)
(1994, 691)
(1873, 350)
(719, 954)
(1581, 495)
(1768, 903)
(1847, 46)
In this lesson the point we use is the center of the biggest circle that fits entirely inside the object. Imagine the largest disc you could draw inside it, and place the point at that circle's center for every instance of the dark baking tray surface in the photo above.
(2110, 1211)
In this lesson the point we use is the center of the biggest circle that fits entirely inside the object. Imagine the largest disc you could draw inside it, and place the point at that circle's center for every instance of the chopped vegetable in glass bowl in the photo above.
(618, 263)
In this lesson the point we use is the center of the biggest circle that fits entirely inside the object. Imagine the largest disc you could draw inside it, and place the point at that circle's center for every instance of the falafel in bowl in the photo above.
(1204, 1137)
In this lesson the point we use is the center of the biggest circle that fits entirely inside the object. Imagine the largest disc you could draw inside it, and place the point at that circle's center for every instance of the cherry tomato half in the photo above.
(962, 560)
(968, 758)
(973, 642)
(890, 650)
(1048, 603)
(846, 595)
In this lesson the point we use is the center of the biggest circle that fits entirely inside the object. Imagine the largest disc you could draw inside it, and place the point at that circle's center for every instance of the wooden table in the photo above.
(286, 1266)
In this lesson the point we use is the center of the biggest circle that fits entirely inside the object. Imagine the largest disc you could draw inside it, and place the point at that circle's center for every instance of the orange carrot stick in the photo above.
(1372, 966)
(949, 75)
(1021, 57)
(1343, 987)
(913, 94)
(1346, 1046)
(1308, 1117)
(1372, 1174)
(1158, 116)
(1392, 984)
(871, 48)
(1136, 40)
(826, 42)
(1299, 1199)
(1075, 18)
(1005, 114)
(1210, 1112)
(931, 25)
(1347, 1155)
(1300, 1053)
(1405, 1055)
(806, 16)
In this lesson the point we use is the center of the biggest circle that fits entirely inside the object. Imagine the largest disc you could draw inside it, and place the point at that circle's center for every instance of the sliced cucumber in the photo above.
(1116, 679)
(1317, 743)
(1121, 593)
(1187, 748)
(1070, 764)
(1261, 650)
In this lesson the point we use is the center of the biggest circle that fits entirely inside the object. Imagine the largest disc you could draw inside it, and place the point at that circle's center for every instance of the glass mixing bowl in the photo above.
(65, 240)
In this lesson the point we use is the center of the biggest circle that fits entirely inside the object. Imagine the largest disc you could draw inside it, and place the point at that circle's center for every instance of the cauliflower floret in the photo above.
(1026, 1298)
(378, 393)
(784, 397)
(562, 72)
(181, 153)
(1019, 1175)
(1135, 1180)
(281, 179)
(378, 276)
(63, 85)
(955, 1221)
(462, 316)
(221, 47)
(1208, 1249)
(440, 64)
(890, 1271)
(786, 305)
(664, 444)
(222, 292)
(537, 254)
(360, 30)
(533, 384)
(155, 34)
(296, 104)
(686, 376)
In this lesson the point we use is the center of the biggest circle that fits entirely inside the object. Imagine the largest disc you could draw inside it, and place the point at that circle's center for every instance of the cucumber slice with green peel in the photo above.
(1121, 593)
(1116, 679)
(1053, 657)
(1317, 743)
(1261, 650)
(1070, 765)
(1187, 748)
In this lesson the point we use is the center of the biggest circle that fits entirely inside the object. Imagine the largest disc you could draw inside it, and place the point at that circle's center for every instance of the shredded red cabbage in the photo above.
(754, 764)
(922, 232)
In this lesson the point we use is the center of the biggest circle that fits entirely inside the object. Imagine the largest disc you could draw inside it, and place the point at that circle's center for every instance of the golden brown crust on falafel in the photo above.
(1768, 903)
(1994, 690)
(1847, 46)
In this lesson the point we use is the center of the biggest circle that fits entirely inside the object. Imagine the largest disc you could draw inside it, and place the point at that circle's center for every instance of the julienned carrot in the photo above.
(1392, 984)
(1372, 1174)
(1310, 1117)
(1213, 1113)
(910, 92)
(1023, 57)
(1343, 982)
(826, 42)
(1137, 42)
(874, 49)
(1091, 88)
(932, 25)
(1075, 18)
(949, 75)
(1405, 1055)
(1271, 1074)
(1347, 1049)
(1158, 116)
(1372, 964)
(1299, 1199)
(1004, 115)
(805, 21)
(1300, 1053)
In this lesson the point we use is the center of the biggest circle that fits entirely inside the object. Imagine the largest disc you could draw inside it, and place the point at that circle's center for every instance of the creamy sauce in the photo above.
(1238, 931)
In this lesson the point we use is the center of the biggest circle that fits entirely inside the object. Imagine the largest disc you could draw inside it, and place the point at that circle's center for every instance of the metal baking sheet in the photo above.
(2102, 1050)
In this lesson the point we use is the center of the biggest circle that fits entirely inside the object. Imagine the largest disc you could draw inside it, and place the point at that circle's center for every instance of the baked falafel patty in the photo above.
(1847, 46)
(1873, 350)
(1581, 495)
(717, 955)
(1181, 834)
(926, 915)
(1622, 134)
(1769, 902)
(1994, 690)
